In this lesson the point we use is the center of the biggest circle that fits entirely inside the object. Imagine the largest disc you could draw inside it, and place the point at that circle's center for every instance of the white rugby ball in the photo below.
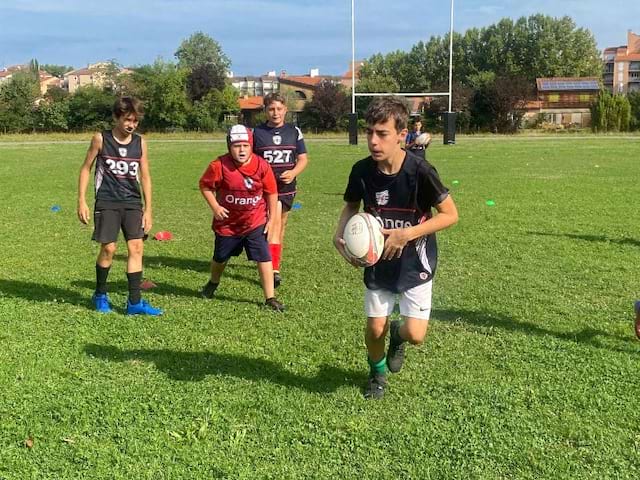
(363, 238)
(423, 139)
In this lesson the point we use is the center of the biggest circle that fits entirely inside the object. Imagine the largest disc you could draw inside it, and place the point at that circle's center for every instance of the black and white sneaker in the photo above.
(375, 386)
(274, 304)
(277, 279)
(208, 290)
(395, 355)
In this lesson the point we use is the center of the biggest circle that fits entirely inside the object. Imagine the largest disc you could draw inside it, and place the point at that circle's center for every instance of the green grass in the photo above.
(529, 371)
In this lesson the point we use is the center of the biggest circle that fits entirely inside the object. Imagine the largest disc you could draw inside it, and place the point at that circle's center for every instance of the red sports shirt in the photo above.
(240, 189)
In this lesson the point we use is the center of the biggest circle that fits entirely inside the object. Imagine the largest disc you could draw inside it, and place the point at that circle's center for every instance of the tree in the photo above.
(52, 116)
(200, 49)
(56, 70)
(17, 102)
(610, 113)
(208, 113)
(161, 87)
(327, 108)
(634, 103)
(202, 80)
(205, 62)
(90, 108)
(500, 105)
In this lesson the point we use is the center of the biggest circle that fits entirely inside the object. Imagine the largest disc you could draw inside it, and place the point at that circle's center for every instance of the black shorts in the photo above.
(286, 200)
(109, 221)
(254, 243)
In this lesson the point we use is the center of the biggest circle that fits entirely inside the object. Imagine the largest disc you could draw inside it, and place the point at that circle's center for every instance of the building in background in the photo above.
(622, 66)
(564, 101)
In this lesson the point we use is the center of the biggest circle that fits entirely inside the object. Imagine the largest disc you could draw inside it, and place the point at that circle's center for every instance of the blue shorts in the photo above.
(254, 243)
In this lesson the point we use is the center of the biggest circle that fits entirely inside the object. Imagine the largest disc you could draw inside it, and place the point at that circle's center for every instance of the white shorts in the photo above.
(415, 302)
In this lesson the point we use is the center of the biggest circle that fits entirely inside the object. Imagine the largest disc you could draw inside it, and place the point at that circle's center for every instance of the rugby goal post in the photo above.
(449, 116)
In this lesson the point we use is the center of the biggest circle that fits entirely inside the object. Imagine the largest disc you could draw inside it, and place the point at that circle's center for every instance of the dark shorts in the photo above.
(287, 201)
(109, 221)
(254, 243)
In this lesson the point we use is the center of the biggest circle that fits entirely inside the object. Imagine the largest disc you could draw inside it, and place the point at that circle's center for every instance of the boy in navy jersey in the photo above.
(401, 190)
(241, 190)
(282, 145)
(122, 168)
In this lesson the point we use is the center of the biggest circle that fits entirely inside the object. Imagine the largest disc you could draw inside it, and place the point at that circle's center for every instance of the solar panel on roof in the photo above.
(569, 85)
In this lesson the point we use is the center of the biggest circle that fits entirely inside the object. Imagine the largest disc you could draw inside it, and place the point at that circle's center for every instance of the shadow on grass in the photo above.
(165, 289)
(194, 366)
(38, 292)
(204, 266)
(587, 336)
(592, 238)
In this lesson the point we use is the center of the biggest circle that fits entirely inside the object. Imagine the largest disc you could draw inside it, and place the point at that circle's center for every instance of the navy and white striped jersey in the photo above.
(280, 146)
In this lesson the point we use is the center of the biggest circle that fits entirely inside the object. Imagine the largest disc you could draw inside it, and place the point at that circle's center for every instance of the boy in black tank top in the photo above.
(400, 189)
(122, 168)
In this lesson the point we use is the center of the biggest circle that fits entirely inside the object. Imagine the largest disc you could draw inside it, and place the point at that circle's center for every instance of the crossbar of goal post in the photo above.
(449, 116)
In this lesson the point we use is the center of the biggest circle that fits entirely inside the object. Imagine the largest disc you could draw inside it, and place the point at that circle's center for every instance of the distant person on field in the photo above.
(241, 191)
(282, 145)
(122, 201)
(401, 190)
(410, 140)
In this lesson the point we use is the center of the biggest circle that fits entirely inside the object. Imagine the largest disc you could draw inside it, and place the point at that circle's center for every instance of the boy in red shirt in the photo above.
(241, 190)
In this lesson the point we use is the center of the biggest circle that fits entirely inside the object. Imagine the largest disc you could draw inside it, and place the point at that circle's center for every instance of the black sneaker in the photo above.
(277, 279)
(395, 355)
(375, 386)
(274, 304)
(208, 290)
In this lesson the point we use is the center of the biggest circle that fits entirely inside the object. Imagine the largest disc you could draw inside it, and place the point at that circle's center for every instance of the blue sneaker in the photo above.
(101, 303)
(142, 308)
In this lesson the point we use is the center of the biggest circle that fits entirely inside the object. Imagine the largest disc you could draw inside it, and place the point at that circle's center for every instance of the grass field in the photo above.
(529, 371)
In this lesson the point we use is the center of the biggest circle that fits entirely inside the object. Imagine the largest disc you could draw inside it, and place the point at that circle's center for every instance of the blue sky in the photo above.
(261, 35)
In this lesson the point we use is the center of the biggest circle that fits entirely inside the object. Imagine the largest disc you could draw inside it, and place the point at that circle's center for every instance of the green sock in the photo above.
(379, 367)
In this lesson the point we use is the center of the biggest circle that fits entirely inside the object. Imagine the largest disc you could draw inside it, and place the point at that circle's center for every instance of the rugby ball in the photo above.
(364, 241)
(423, 139)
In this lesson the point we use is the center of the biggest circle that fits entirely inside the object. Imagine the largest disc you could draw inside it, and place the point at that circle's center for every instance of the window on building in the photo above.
(585, 98)
(554, 97)
(300, 95)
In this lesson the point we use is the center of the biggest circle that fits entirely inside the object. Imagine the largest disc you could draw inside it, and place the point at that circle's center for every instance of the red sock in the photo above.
(275, 249)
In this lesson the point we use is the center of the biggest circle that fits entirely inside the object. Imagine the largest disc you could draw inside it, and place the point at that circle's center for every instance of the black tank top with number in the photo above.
(117, 172)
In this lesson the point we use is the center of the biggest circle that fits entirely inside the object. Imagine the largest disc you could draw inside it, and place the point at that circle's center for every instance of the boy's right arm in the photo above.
(349, 210)
(83, 179)
(207, 186)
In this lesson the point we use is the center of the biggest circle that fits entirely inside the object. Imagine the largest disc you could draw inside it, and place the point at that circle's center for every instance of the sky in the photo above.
(263, 35)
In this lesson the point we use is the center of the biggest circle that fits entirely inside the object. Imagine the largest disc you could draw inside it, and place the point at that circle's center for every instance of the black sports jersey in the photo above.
(398, 201)
(117, 169)
(280, 146)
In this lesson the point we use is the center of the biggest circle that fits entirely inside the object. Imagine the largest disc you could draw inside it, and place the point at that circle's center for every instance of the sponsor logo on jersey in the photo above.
(382, 198)
(122, 151)
(423, 276)
(248, 182)
(243, 200)
(277, 139)
(391, 224)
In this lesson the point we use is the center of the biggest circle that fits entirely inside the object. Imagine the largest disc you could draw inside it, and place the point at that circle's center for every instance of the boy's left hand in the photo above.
(147, 221)
(287, 177)
(395, 242)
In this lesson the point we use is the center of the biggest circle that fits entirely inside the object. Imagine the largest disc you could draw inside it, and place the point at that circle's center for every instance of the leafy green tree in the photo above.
(610, 113)
(208, 113)
(161, 87)
(634, 103)
(90, 108)
(52, 116)
(17, 102)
